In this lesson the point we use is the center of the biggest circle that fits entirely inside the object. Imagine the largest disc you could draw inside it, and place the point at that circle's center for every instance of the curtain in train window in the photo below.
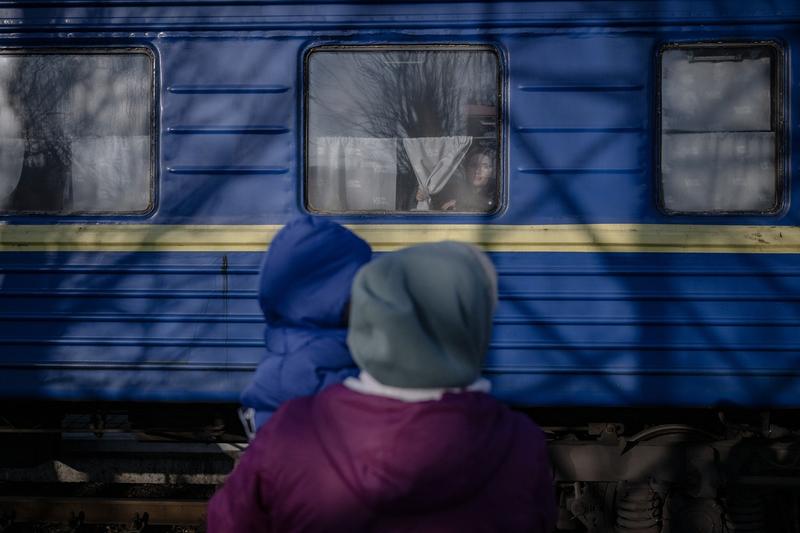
(402, 129)
(720, 129)
(76, 131)
(352, 173)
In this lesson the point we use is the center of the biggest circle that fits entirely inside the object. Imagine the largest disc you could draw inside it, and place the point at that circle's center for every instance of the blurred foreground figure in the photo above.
(304, 293)
(414, 443)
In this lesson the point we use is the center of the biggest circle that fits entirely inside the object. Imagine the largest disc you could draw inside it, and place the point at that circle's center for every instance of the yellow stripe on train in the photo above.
(386, 237)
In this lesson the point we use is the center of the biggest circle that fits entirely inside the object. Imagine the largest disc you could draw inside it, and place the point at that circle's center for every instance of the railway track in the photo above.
(83, 483)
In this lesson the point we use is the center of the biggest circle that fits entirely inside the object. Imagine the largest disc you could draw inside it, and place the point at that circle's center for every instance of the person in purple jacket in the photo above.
(415, 443)
(304, 293)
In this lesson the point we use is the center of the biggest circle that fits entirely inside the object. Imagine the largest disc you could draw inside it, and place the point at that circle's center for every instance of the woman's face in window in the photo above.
(480, 170)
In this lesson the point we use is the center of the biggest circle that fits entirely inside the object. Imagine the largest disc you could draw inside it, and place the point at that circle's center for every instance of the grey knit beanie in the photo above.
(422, 317)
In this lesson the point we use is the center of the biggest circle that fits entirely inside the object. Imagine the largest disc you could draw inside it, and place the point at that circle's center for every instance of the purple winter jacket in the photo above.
(351, 462)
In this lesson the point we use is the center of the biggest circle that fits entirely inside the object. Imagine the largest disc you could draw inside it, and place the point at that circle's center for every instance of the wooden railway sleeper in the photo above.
(76, 512)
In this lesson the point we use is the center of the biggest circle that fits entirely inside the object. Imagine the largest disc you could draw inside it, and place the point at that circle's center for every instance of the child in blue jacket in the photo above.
(304, 294)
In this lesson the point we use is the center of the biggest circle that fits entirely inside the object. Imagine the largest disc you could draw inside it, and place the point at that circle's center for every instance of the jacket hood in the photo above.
(308, 271)
(422, 317)
(404, 457)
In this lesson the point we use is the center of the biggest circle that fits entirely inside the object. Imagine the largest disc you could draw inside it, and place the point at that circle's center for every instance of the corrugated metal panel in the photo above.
(580, 327)
(126, 326)
(675, 329)
(594, 328)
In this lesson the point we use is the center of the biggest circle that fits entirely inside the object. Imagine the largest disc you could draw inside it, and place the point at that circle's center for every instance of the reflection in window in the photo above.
(719, 129)
(393, 129)
(75, 132)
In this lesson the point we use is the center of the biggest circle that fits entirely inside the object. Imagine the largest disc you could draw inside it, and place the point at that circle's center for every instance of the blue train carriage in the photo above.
(627, 164)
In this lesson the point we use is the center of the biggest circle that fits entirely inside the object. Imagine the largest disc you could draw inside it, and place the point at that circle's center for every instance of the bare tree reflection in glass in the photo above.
(402, 94)
(79, 130)
(37, 95)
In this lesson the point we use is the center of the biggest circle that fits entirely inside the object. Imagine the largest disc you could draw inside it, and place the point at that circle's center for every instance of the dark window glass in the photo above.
(720, 129)
(76, 131)
(402, 129)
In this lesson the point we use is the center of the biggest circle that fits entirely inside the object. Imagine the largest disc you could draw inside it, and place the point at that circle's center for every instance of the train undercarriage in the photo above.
(712, 472)
(640, 471)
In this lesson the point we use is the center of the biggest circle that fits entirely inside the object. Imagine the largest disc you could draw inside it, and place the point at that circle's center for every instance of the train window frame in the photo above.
(500, 137)
(152, 118)
(777, 100)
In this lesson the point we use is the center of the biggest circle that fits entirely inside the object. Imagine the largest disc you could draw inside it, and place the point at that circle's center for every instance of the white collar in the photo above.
(366, 384)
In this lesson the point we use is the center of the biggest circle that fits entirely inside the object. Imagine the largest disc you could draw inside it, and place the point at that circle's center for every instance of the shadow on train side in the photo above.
(679, 351)
(644, 339)
(135, 323)
(645, 328)
(603, 316)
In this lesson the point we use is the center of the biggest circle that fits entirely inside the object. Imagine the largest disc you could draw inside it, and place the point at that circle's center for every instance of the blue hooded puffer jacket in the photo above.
(304, 292)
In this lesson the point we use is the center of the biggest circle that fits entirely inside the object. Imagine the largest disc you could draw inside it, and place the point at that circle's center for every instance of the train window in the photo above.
(720, 121)
(402, 129)
(76, 131)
